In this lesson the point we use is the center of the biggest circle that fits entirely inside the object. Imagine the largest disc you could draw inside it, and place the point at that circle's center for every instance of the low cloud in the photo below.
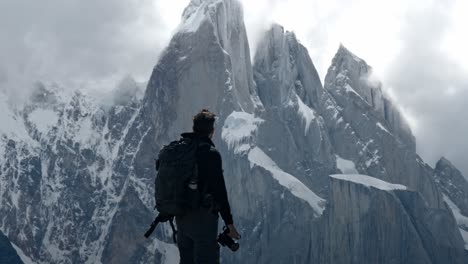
(431, 86)
(79, 41)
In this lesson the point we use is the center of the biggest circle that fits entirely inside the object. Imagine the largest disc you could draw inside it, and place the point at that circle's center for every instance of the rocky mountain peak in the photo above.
(225, 16)
(351, 75)
(282, 58)
(444, 163)
(352, 70)
(275, 46)
(206, 65)
(349, 56)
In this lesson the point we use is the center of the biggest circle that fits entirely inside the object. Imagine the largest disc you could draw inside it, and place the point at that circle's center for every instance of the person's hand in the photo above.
(233, 232)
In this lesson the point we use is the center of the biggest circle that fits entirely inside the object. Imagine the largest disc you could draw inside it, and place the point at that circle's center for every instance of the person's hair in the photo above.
(203, 122)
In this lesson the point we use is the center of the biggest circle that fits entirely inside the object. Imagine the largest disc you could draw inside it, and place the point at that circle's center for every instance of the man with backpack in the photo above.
(190, 186)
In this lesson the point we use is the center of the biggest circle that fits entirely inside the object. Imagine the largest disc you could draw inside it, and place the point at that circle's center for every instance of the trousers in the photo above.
(197, 233)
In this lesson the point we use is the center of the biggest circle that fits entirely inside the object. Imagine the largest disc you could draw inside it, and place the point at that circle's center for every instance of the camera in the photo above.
(226, 241)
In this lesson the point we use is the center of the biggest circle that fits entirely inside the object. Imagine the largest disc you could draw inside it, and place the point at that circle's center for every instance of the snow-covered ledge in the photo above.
(369, 181)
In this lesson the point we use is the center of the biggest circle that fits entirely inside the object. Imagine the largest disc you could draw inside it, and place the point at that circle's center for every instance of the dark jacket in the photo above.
(210, 171)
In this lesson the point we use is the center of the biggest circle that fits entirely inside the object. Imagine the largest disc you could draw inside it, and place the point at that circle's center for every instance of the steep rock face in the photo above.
(207, 64)
(289, 88)
(225, 18)
(361, 132)
(8, 254)
(356, 128)
(350, 70)
(371, 221)
(454, 188)
(284, 68)
(452, 184)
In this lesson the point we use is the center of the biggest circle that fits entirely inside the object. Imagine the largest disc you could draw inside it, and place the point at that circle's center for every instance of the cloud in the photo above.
(77, 40)
(431, 85)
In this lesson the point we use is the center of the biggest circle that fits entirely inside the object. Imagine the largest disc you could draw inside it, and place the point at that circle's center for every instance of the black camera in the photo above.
(227, 241)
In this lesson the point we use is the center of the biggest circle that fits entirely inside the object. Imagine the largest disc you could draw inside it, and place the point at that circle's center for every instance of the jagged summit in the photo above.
(354, 68)
(277, 39)
(352, 76)
(282, 58)
(195, 14)
(194, 5)
(206, 65)
(345, 52)
(444, 162)
(223, 15)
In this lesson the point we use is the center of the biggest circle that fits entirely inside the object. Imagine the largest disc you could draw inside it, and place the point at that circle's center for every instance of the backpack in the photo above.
(176, 184)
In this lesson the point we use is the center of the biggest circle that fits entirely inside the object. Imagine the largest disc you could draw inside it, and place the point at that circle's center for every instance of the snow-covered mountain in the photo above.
(77, 176)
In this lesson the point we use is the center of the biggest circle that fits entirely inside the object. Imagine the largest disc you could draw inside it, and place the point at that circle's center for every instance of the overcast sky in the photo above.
(418, 48)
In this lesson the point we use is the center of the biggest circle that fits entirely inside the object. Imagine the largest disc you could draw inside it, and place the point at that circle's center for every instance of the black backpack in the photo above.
(176, 184)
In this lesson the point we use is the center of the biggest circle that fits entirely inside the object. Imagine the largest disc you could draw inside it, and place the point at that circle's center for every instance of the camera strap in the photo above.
(160, 219)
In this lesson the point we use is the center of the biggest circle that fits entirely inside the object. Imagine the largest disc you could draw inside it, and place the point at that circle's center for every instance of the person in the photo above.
(198, 229)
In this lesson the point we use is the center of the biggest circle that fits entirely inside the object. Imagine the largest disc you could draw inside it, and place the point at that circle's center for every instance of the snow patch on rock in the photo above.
(11, 125)
(464, 235)
(306, 112)
(462, 220)
(238, 129)
(346, 166)
(459, 217)
(369, 181)
(170, 252)
(383, 128)
(23, 257)
(43, 119)
(258, 158)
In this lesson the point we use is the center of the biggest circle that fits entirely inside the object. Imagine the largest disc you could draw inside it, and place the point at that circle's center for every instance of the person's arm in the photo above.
(220, 195)
(219, 188)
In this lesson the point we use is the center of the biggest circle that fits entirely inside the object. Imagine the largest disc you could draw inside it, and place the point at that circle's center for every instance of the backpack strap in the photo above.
(161, 219)
(174, 231)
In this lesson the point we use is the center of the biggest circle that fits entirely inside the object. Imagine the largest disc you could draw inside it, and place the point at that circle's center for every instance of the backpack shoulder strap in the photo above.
(174, 231)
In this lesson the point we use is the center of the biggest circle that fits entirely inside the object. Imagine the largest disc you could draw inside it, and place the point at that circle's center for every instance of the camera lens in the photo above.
(235, 247)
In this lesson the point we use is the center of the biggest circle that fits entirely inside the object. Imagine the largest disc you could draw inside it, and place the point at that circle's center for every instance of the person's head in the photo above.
(203, 123)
